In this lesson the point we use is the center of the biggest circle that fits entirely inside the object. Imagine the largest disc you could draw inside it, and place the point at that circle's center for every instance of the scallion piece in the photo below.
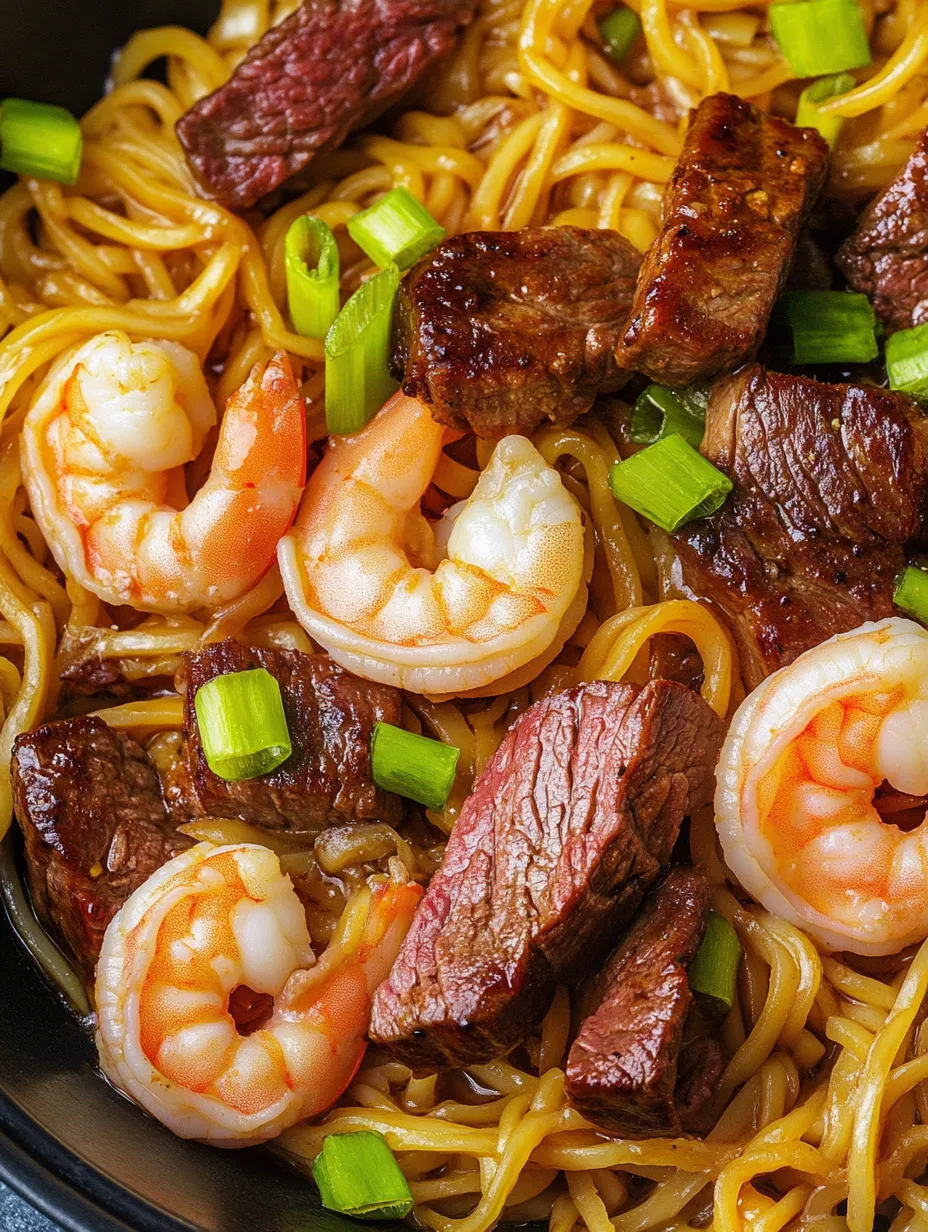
(809, 113)
(619, 31)
(907, 361)
(714, 969)
(911, 593)
(357, 354)
(397, 230)
(311, 262)
(820, 36)
(358, 1175)
(413, 766)
(39, 139)
(660, 412)
(242, 724)
(830, 327)
(669, 483)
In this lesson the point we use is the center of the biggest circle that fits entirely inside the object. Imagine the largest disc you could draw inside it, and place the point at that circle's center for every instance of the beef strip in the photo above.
(330, 714)
(570, 823)
(634, 1068)
(500, 330)
(738, 196)
(887, 256)
(89, 803)
(326, 71)
(829, 483)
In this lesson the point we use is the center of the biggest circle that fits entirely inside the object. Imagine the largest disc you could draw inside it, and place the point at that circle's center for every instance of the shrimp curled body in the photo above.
(795, 808)
(104, 446)
(213, 920)
(441, 609)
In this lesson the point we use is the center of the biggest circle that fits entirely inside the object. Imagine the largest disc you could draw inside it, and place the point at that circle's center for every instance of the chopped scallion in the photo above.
(907, 361)
(619, 31)
(311, 262)
(242, 724)
(357, 354)
(820, 36)
(358, 1175)
(413, 766)
(396, 230)
(39, 139)
(830, 327)
(911, 593)
(670, 483)
(714, 968)
(809, 113)
(660, 412)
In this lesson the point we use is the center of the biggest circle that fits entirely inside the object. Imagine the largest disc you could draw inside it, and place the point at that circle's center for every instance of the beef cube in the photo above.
(499, 331)
(327, 70)
(571, 822)
(643, 1063)
(89, 803)
(887, 256)
(829, 484)
(738, 196)
(331, 716)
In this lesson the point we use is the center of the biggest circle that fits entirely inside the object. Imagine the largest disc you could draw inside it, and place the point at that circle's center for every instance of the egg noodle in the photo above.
(825, 1098)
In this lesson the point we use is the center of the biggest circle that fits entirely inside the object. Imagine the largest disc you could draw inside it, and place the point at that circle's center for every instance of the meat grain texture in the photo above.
(571, 822)
(742, 187)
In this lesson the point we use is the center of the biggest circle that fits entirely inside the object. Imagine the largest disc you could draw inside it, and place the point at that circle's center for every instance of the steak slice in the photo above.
(829, 484)
(89, 803)
(327, 70)
(571, 822)
(732, 211)
(629, 1070)
(887, 256)
(331, 716)
(500, 330)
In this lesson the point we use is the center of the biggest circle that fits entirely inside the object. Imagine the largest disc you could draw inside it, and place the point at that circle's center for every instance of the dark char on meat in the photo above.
(645, 1062)
(829, 484)
(742, 187)
(571, 822)
(89, 803)
(499, 331)
(330, 68)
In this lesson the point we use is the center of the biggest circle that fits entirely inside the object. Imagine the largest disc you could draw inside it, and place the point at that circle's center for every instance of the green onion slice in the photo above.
(820, 36)
(714, 968)
(669, 483)
(619, 31)
(311, 262)
(41, 140)
(397, 230)
(911, 593)
(809, 113)
(413, 766)
(357, 354)
(358, 1175)
(242, 724)
(660, 412)
(907, 361)
(830, 327)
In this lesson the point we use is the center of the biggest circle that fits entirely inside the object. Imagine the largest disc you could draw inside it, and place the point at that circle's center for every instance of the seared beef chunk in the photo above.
(830, 482)
(89, 803)
(732, 210)
(887, 256)
(501, 330)
(329, 69)
(571, 822)
(630, 1070)
(331, 715)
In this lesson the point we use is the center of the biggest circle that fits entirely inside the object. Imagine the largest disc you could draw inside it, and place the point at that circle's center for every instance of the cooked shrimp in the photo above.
(104, 445)
(796, 782)
(436, 610)
(217, 919)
